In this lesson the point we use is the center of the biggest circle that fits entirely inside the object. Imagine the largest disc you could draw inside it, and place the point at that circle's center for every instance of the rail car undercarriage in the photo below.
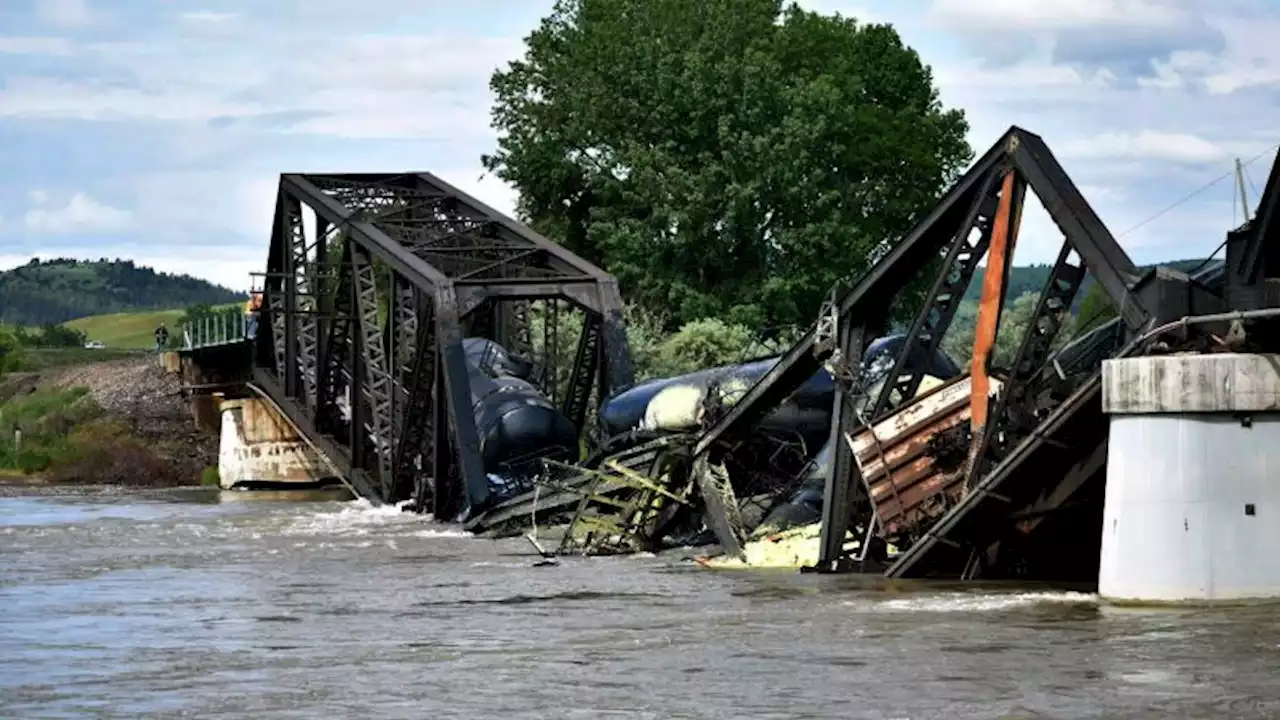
(899, 461)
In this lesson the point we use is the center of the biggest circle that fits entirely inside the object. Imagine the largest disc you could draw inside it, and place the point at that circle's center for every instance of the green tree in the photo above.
(195, 313)
(723, 158)
(957, 342)
(60, 336)
(1016, 321)
(703, 344)
(10, 352)
(1095, 309)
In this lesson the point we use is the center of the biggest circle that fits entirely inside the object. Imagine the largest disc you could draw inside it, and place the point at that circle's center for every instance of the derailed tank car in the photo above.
(776, 469)
(517, 424)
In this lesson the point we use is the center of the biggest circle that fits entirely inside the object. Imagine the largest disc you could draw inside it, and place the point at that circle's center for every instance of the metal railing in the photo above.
(225, 328)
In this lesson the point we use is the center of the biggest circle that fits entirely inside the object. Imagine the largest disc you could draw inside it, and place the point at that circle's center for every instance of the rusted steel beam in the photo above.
(1019, 162)
(989, 311)
(869, 295)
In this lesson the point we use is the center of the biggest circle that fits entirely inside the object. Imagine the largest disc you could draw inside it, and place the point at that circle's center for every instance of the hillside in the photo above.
(54, 291)
(131, 331)
(126, 330)
(1031, 279)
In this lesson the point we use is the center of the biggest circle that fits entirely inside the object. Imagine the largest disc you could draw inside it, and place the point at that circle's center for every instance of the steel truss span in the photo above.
(374, 281)
(990, 491)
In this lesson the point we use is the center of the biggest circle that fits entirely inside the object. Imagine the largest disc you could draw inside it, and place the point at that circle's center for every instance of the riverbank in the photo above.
(116, 422)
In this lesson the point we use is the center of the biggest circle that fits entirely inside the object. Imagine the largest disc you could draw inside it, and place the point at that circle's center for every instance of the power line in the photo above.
(1194, 193)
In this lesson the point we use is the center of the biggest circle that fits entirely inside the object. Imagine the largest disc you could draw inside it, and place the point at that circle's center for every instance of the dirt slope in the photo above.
(139, 392)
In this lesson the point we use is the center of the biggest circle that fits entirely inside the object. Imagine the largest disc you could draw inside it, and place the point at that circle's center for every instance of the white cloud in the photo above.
(368, 86)
(206, 88)
(38, 197)
(209, 16)
(1034, 75)
(42, 98)
(65, 13)
(987, 15)
(486, 188)
(35, 46)
(1147, 145)
(82, 214)
(1251, 60)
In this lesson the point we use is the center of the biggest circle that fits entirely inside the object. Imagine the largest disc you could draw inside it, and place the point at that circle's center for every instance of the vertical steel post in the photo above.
(837, 491)
(288, 204)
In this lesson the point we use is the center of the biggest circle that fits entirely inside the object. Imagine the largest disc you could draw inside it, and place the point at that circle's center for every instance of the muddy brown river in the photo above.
(117, 604)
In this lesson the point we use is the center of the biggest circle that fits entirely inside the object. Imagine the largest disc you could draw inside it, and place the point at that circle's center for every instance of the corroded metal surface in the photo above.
(908, 485)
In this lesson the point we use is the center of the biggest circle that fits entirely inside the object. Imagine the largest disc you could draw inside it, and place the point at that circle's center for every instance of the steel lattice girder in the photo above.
(949, 228)
(395, 354)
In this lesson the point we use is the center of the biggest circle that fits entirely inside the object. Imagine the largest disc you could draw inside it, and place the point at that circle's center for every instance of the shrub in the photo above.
(45, 418)
(702, 344)
(210, 477)
(103, 452)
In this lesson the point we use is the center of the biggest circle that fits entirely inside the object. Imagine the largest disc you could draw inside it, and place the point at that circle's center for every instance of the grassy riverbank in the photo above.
(65, 436)
(121, 421)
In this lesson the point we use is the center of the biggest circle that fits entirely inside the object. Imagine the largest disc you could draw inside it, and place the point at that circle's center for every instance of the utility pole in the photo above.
(1244, 199)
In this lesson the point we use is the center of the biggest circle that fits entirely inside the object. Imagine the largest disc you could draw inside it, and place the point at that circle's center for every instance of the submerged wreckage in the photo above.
(865, 450)
(863, 447)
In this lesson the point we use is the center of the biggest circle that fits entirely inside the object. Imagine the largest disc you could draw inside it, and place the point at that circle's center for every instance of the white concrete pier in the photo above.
(257, 446)
(1193, 478)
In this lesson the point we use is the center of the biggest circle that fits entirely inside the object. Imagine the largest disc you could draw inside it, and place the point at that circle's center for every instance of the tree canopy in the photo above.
(723, 158)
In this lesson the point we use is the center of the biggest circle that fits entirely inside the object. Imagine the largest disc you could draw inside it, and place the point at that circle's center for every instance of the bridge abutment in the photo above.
(259, 450)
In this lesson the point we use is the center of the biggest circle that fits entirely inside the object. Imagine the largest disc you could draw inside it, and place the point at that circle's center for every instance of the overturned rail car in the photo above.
(777, 467)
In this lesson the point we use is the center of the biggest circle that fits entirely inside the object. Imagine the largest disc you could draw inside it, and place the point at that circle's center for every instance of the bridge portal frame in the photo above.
(368, 302)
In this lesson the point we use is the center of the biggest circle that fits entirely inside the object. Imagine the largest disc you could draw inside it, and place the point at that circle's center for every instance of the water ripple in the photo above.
(145, 604)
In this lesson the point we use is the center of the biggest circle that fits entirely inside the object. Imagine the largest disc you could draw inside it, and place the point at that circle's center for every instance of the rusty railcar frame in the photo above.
(958, 231)
(372, 303)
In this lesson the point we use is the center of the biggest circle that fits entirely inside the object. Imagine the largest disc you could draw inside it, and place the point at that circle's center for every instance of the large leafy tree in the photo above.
(724, 158)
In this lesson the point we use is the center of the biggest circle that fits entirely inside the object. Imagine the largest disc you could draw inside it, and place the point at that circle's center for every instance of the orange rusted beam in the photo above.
(1003, 236)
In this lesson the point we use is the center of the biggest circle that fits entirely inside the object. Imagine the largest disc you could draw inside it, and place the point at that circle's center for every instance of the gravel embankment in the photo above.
(140, 393)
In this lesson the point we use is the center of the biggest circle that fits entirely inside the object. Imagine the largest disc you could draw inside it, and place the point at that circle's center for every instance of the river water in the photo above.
(175, 604)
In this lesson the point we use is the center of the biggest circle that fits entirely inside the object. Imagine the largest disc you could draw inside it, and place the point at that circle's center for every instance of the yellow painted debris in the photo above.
(789, 549)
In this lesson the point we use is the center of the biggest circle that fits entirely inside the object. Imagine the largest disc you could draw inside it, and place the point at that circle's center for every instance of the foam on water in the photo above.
(360, 517)
(973, 602)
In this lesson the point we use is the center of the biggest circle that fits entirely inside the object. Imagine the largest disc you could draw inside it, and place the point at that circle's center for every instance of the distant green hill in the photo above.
(54, 291)
(1031, 279)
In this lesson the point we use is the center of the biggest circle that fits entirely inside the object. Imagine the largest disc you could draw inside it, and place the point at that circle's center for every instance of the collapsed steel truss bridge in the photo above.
(372, 282)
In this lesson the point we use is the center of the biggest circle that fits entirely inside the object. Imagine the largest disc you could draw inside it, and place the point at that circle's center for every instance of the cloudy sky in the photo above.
(155, 129)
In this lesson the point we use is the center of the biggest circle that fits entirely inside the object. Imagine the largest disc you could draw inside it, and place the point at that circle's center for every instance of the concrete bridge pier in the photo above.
(259, 450)
(1193, 478)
